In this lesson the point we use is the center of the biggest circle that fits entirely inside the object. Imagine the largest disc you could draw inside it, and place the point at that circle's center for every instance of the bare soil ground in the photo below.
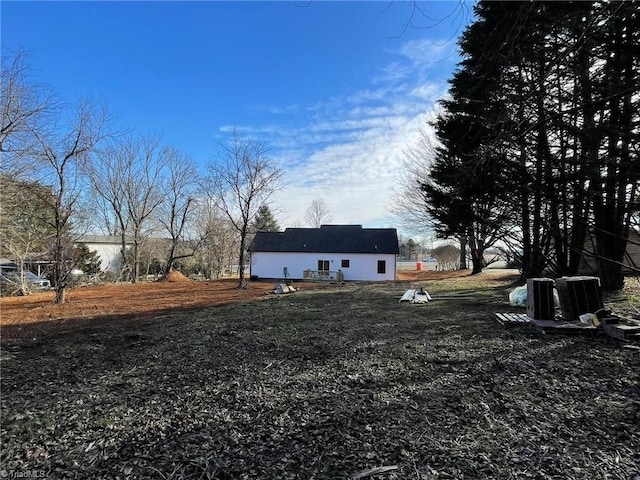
(194, 380)
(97, 306)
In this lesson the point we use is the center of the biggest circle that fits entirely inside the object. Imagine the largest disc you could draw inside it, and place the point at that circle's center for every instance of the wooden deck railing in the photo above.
(319, 275)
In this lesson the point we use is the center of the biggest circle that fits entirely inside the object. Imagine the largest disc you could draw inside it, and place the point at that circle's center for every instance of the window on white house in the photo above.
(345, 263)
(323, 265)
(382, 266)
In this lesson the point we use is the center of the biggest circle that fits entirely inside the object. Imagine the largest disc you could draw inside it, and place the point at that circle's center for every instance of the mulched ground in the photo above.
(97, 306)
(323, 383)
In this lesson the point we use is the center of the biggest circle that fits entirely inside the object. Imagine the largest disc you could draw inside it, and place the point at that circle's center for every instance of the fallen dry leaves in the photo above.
(323, 383)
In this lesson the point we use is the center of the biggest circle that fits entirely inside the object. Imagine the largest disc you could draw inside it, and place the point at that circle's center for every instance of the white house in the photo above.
(108, 249)
(347, 251)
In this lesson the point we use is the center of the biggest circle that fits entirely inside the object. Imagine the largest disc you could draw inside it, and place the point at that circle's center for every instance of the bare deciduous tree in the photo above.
(220, 240)
(60, 152)
(178, 207)
(317, 213)
(107, 173)
(143, 190)
(239, 183)
(447, 256)
(25, 108)
(407, 200)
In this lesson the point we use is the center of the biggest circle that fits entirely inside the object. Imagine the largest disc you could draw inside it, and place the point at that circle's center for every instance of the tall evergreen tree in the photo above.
(463, 191)
(542, 125)
(616, 179)
(264, 221)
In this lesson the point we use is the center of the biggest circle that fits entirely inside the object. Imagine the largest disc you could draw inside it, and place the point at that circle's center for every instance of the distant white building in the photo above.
(356, 253)
(108, 249)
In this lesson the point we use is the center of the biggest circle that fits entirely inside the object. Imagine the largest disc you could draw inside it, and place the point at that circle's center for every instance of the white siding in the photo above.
(361, 266)
(109, 253)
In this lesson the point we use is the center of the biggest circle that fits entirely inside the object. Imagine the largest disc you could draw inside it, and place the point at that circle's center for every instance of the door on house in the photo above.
(323, 267)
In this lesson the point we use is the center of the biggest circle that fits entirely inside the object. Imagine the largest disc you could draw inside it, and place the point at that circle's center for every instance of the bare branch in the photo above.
(24, 108)
(239, 183)
(317, 213)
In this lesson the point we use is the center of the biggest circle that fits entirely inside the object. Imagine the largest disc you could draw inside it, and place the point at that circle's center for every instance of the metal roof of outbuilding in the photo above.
(329, 239)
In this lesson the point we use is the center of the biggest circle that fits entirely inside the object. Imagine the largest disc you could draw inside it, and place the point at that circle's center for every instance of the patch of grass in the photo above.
(322, 384)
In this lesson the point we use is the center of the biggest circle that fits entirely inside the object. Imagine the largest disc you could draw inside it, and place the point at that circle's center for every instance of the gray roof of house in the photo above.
(109, 239)
(329, 239)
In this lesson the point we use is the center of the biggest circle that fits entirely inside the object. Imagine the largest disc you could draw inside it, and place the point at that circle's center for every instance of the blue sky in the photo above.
(337, 90)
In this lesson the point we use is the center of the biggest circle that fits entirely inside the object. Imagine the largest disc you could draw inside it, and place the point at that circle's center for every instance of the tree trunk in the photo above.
(58, 260)
(243, 239)
(610, 249)
(123, 253)
(476, 247)
(588, 170)
(135, 268)
(60, 295)
(476, 262)
(463, 254)
(525, 210)
(171, 258)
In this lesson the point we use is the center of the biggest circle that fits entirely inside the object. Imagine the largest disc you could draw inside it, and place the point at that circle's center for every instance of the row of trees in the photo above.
(537, 144)
(68, 169)
(410, 250)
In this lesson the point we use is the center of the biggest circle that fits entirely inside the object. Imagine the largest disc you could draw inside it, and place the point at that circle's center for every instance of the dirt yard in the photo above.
(101, 305)
(111, 303)
(158, 381)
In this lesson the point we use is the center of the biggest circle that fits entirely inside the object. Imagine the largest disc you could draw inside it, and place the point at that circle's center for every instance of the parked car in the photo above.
(11, 279)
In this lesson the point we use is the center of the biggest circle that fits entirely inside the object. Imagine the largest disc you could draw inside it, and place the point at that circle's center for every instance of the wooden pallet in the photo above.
(544, 325)
(579, 295)
(559, 326)
(512, 318)
(621, 331)
(619, 328)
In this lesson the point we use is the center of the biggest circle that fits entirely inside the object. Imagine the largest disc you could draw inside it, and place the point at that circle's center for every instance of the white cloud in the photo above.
(348, 150)
(379, 94)
(424, 53)
(355, 178)
(418, 58)
(429, 92)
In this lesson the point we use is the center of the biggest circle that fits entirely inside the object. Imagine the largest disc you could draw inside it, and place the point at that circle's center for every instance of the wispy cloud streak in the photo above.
(348, 150)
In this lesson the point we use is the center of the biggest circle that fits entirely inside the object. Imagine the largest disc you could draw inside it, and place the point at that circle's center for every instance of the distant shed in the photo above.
(349, 252)
(108, 248)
